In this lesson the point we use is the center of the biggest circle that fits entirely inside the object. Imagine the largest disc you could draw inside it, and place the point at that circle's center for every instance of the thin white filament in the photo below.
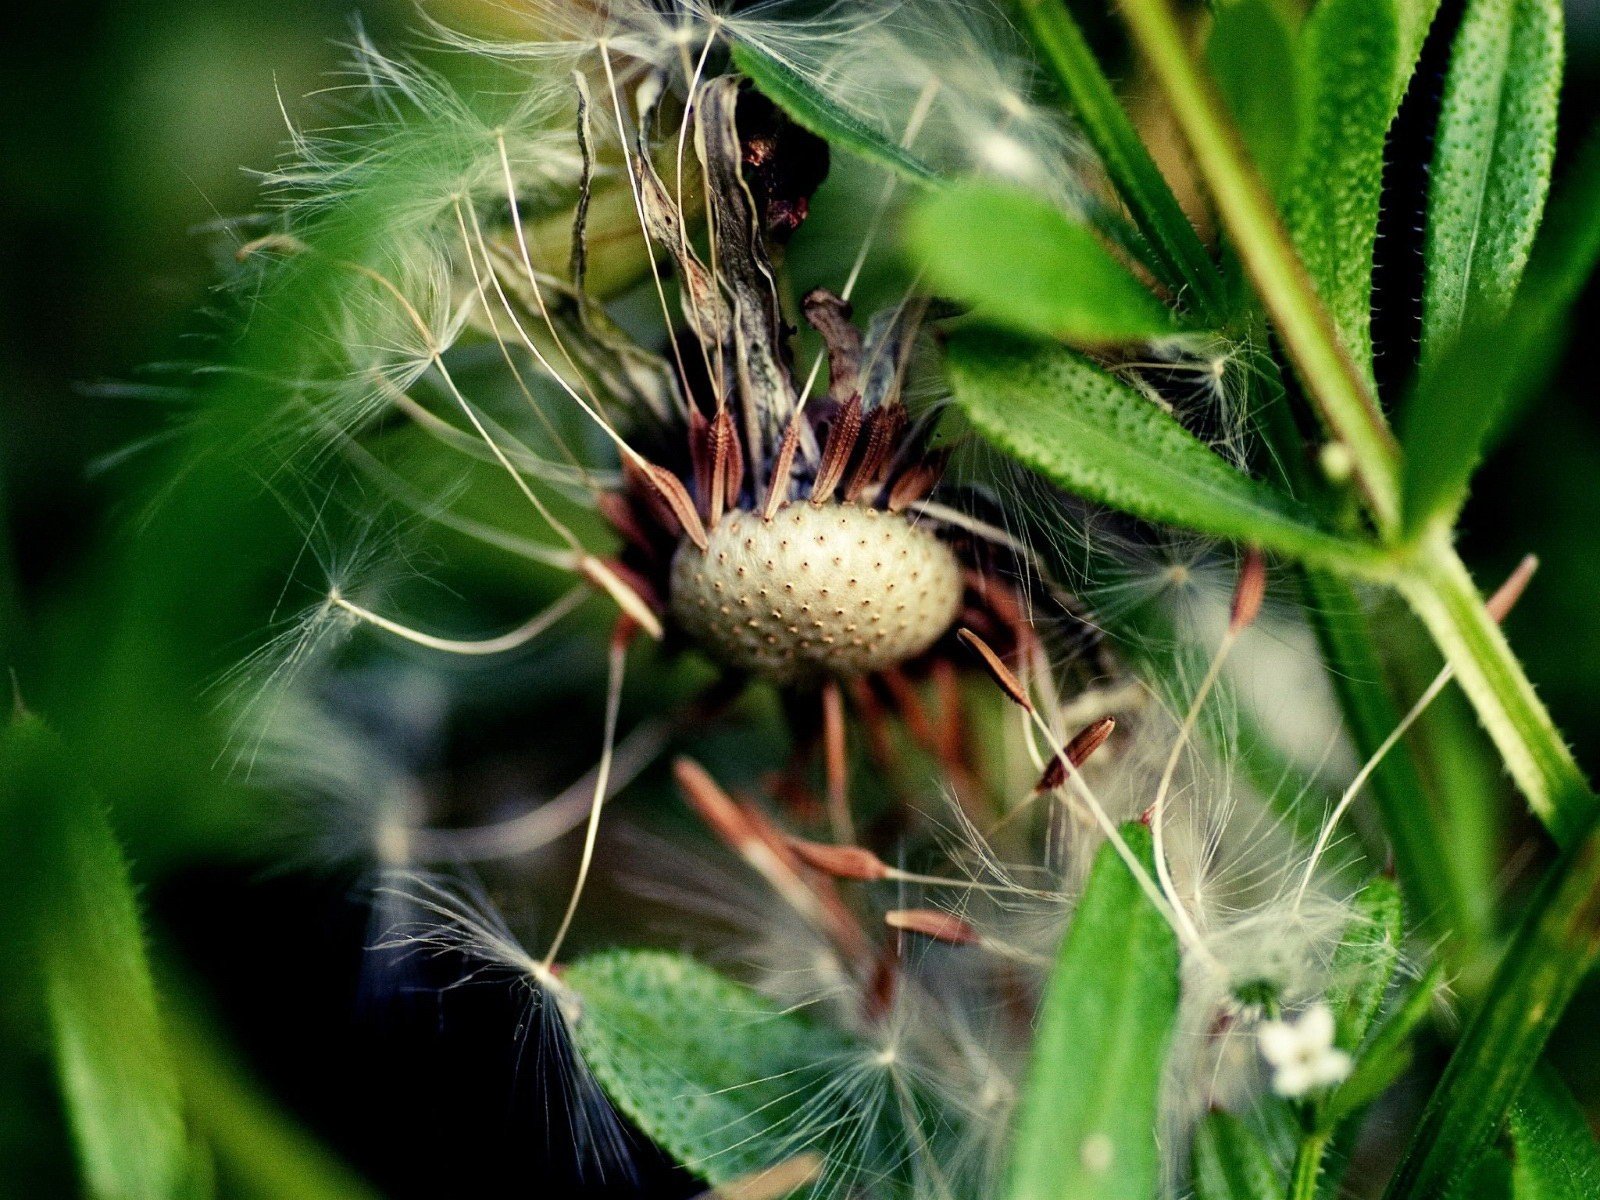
(619, 658)
(520, 636)
(1326, 834)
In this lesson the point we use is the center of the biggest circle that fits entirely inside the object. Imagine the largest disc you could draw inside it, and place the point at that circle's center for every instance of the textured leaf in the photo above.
(1230, 1163)
(1491, 163)
(1175, 252)
(1496, 140)
(1096, 436)
(1556, 1154)
(812, 109)
(1387, 1053)
(1251, 56)
(1488, 1179)
(710, 1070)
(1020, 261)
(1366, 959)
(1089, 1117)
(1355, 58)
(116, 1071)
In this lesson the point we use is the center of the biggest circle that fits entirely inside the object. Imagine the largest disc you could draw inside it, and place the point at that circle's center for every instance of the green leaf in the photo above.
(1365, 961)
(1556, 1154)
(116, 1071)
(1230, 1162)
(1096, 436)
(1465, 393)
(1488, 1179)
(1355, 57)
(1089, 1117)
(1251, 56)
(1176, 254)
(710, 1070)
(1550, 953)
(1020, 261)
(812, 109)
(1388, 1053)
(1493, 153)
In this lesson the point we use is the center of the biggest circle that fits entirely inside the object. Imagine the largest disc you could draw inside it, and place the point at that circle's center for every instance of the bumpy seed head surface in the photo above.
(820, 590)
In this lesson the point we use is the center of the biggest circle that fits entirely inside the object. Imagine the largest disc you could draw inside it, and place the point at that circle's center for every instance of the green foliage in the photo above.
(1491, 164)
(1251, 56)
(1365, 962)
(1094, 435)
(116, 1070)
(1230, 1162)
(1556, 1154)
(1498, 356)
(813, 110)
(710, 1070)
(1175, 252)
(1388, 1051)
(1551, 951)
(1020, 261)
(1088, 1121)
(1355, 58)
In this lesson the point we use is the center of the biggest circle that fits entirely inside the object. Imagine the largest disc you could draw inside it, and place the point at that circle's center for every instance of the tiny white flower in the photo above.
(1301, 1052)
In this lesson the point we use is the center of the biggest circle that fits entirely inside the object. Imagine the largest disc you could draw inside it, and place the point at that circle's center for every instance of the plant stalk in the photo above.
(1307, 1169)
(1155, 210)
(1331, 380)
(1442, 594)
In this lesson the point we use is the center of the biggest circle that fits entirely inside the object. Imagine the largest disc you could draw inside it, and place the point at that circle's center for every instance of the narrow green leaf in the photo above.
(1492, 158)
(1388, 1053)
(116, 1071)
(1550, 953)
(1096, 436)
(1366, 959)
(1355, 57)
(1089, 1117)
(1177, 255)
(1556, 1154)
(1334, 383)
(1488, 1179)
(715, 1074)
(814, 110)
(1020, 261)
(1464, 394)
(1230, 1162)
(1251, 56)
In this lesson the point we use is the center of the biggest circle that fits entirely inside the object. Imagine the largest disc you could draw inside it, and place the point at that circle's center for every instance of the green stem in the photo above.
(1442, 594)
(1553, 949)
(1307, 1168)
(1181, 256)
(1331, 380)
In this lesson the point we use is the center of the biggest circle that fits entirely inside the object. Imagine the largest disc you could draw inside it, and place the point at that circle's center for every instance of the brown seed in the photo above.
(1008, 682)
(930, 922)
(1249, 591)
(1084, 743)
(842, 862)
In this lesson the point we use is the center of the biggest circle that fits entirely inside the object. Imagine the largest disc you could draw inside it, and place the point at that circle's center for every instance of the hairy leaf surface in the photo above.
(1491, 162)
(713, 1072)
(1096, 436)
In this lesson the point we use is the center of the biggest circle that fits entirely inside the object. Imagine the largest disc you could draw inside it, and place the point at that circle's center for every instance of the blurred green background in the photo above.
(131, 130)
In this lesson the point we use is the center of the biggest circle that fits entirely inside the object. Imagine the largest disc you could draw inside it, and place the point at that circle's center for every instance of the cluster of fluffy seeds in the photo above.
(912, 867)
